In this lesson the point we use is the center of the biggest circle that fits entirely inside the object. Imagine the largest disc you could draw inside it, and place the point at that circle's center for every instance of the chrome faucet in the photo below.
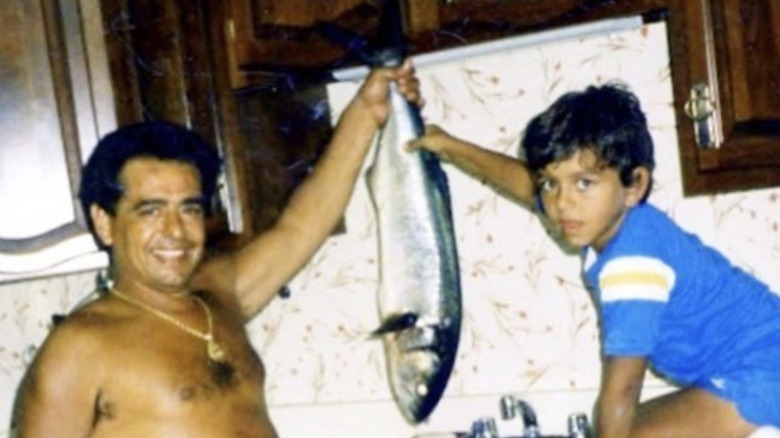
(484, 427)
(579, 426)
(510, 405)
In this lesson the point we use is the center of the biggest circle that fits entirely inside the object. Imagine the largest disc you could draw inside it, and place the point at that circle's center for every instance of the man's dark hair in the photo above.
(157, 139)
(606, 119)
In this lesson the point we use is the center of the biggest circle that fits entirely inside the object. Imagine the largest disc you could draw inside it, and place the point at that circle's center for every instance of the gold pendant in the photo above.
(215, 351)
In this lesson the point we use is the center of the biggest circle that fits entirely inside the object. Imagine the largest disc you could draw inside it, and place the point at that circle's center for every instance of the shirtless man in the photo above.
(164, 352)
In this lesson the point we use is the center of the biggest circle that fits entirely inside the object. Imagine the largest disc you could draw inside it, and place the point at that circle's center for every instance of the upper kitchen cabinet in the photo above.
(56, 100)
(724, 55)
(725, 71)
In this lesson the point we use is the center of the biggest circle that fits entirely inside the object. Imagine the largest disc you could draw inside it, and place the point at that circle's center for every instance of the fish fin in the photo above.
(396, 323)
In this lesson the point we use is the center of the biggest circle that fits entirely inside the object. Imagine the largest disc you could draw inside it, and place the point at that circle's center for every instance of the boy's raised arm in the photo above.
(507, 174)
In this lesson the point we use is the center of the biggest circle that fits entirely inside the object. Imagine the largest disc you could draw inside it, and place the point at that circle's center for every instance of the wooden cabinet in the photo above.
(56, 100)
(287, 127)
(733, 48)
(269, 38)
(730, 46)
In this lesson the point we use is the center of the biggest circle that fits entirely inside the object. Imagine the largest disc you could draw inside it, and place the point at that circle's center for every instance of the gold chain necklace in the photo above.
(213, 349)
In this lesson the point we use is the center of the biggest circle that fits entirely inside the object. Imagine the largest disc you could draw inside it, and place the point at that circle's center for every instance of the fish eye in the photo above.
(421, 389)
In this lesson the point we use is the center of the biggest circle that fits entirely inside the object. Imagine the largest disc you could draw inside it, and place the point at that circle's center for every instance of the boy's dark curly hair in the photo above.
(606, 119)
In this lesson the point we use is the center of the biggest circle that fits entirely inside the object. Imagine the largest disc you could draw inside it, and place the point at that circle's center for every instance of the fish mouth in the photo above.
(420, 378)
(421, 359)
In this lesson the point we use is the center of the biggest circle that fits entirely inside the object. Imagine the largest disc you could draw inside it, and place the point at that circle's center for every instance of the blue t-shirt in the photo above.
(700, 321)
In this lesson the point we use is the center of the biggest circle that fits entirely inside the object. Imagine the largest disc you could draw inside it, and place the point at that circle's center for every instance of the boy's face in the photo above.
(585, 199)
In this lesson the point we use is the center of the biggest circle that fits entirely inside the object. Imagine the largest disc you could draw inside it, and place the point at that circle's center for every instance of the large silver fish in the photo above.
(419, 297)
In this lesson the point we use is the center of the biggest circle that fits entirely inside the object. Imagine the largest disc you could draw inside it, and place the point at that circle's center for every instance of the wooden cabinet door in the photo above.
(55, 102)
(733, 48)
(270, 37)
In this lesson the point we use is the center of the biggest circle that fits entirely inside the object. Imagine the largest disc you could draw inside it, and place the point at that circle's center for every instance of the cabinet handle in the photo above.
(700, 108)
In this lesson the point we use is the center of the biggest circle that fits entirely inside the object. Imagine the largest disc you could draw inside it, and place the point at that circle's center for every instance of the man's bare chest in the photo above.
(155, 369)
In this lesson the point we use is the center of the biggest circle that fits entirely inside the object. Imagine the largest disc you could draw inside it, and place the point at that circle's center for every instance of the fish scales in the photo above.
(419, 296)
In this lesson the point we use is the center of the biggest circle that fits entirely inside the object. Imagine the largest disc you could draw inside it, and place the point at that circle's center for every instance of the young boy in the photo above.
(665, 299)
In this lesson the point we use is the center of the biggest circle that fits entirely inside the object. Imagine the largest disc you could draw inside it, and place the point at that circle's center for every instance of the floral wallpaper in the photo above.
(529, 327)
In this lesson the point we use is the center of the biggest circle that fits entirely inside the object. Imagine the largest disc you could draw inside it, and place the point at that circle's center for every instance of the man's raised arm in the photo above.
(272, 258)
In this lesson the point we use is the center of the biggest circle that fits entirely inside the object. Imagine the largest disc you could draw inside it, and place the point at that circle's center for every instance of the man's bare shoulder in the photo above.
(80, 333)
(93, 318)
(67, 366)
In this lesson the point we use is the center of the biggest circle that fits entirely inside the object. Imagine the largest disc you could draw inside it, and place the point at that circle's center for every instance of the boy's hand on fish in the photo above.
(435, 140)
(374, 92)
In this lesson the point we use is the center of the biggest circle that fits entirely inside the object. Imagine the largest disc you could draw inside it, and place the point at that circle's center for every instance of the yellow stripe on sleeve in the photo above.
(636, 278)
